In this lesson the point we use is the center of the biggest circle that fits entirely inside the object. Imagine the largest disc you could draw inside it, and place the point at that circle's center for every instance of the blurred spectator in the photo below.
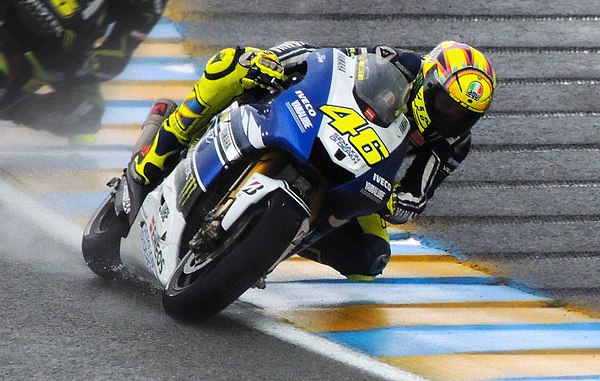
(70, 46)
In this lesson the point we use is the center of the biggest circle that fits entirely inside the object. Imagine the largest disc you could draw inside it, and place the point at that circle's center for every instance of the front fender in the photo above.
(252, 191)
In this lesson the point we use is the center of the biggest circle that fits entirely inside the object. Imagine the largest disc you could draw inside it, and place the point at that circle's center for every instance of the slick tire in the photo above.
(101, 241)
(253, 245)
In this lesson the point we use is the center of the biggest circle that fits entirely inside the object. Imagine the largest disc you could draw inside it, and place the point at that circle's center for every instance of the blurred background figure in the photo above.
(55, 53)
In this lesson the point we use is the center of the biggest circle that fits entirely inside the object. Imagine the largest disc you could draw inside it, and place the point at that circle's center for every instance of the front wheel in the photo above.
(198, 290)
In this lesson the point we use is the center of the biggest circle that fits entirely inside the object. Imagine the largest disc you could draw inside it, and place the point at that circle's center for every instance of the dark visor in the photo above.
(447, 116)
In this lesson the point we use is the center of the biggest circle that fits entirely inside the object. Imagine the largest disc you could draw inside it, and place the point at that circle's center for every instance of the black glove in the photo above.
(405, 207)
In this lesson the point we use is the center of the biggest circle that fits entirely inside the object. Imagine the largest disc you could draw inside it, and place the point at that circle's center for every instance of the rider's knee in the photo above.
(374, 257)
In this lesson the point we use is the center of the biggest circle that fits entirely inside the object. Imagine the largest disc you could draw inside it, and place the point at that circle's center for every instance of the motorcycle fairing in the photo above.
(289, 122)
(157, 227)
(321, 107)
(369, 192)
(257, 187)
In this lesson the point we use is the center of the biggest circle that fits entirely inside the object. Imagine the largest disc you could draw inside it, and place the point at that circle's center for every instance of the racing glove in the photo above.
(404, 208)
(265, 71)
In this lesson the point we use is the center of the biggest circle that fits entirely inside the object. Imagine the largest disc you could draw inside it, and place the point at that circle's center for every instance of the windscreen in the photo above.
(380, 88)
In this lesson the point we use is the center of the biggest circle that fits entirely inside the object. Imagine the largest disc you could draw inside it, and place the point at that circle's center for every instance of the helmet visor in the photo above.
(448, 117)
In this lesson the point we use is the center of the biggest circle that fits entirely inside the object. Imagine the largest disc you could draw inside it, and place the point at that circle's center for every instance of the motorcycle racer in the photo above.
(72, 46)
(452, 88)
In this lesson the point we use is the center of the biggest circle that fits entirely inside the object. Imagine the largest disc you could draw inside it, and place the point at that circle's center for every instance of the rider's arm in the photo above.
(133, 21)
(407, 61)
(433, 162)
(292, 55)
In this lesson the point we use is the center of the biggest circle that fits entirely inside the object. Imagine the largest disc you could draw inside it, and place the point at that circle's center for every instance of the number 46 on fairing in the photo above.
(363, 138)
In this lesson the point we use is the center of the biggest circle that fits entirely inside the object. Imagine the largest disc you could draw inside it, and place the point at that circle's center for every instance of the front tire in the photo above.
(253, 245)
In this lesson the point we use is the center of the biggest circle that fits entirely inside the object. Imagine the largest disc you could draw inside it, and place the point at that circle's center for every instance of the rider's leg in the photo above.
(219, 85)
(360, 249)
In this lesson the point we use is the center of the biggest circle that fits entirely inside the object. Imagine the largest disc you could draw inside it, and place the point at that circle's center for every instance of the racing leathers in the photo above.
(359, 249)
(70, 46)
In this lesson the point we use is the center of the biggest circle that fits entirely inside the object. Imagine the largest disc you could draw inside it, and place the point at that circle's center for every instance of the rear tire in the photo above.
(252, 246)
(102, 239)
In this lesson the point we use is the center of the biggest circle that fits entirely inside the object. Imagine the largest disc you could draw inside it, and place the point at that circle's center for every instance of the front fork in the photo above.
(272, 171)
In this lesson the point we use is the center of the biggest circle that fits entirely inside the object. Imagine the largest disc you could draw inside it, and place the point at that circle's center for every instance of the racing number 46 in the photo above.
(362, 137)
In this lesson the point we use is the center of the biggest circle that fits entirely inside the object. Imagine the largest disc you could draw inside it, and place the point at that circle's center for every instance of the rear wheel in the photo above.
(101, 240)
(200, 289)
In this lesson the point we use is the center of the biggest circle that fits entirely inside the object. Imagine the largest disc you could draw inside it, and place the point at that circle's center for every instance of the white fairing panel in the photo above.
(341, 135)
(152, 246)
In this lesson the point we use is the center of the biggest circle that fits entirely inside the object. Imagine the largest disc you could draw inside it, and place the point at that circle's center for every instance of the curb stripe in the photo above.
(435, 340)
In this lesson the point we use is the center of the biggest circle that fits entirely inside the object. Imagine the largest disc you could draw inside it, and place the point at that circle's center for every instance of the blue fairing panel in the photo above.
(369, 192)
(294, 121)
(290, 122)
(206, 161)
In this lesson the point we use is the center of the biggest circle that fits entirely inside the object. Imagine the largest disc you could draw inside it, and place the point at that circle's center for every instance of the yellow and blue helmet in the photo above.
(457, 88)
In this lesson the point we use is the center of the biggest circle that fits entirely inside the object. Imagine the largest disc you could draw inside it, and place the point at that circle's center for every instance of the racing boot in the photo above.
(131, 189)
(155, 146)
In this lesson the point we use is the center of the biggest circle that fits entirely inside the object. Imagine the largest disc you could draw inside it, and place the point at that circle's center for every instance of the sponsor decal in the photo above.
(226, 139)
(370, 114)
(309, 108)
(253, 187)
(147, 245)
(475, 90)
(381, 181)
(345, 147)
(151, 247)
(373, 192)
(301, 110)
(126, 199)
(209, 136)
(360, 69)
(341, 62)
(164, 212)
(188, 189)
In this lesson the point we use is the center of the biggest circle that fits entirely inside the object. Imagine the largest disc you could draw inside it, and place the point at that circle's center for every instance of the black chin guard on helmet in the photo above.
(448, 117)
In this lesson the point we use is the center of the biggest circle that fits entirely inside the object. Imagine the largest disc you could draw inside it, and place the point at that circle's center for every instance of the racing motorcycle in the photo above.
(264, 182)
